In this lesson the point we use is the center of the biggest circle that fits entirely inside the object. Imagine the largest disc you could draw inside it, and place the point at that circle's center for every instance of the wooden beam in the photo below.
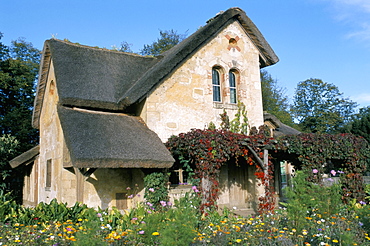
(258, 159)
(80, 180)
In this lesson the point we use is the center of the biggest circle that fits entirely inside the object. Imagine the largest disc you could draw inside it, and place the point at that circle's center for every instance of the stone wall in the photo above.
(185, 100)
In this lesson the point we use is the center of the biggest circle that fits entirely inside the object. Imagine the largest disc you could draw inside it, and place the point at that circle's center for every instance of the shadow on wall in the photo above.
(238, 186)
(113, 187)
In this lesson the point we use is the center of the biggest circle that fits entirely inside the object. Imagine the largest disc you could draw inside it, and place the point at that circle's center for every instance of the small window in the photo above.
(48, 175)
(232, 86)
(216, 85)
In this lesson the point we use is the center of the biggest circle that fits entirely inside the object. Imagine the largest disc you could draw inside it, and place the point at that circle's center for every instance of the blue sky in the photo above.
(325, 39)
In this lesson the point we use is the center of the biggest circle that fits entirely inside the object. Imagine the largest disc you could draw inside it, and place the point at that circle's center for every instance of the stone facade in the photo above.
(185, 101)
(170, 98)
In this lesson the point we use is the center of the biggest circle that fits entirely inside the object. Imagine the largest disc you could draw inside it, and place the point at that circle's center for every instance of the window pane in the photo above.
(232, 86)
(232, 79)
(216, 93)
(232, 95)
(215, 77)
(216, 85)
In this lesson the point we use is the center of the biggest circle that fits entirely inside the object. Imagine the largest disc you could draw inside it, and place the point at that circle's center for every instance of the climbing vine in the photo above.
(208, 150)
(325, 152)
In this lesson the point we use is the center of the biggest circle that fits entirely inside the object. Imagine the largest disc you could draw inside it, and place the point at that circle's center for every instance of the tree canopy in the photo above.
(19, 64)
(320, 107)
(274, 99)
(360, 125)
(166, 41)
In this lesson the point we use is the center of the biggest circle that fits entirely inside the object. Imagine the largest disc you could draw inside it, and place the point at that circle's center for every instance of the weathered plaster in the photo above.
(184, 100)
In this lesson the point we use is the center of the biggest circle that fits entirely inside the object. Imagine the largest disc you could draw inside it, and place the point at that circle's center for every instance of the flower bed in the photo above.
(314, 215)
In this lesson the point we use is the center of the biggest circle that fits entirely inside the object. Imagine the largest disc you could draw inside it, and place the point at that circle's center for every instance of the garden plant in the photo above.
(310, 217)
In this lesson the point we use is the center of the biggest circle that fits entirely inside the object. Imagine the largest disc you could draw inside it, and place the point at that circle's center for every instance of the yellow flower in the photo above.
(238, 240)
(335, 241)
(155, 233)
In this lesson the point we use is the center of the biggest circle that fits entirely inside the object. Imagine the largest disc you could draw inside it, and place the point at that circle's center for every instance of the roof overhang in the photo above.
(26, 158)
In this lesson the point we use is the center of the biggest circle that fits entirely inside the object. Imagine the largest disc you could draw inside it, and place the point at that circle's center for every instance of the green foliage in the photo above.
(156, 188)
(19, 65)
(8, 207)
(180, 222)
(304, 197)
(240, 123)
(326, 152)
(126, 47)
(8, 149)
(166, 41)
(18, 72)
(320, 107)
(208, 150)
(360, 124)
(211, 126)
(362, 215)
(225, 121)
(274, 99)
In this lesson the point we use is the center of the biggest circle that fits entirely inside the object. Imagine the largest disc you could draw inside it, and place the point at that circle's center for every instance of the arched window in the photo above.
(216, 84)
(232, 86)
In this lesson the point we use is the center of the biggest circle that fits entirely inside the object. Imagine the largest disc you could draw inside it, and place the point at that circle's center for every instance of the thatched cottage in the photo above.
(103, 115)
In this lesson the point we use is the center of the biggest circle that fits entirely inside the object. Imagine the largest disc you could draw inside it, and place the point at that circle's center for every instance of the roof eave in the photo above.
(25, 158)
(41, 85)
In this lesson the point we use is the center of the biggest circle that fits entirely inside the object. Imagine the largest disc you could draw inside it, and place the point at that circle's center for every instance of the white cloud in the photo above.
(355, 14)
(361, 5)
(363, 34)
(362, 98)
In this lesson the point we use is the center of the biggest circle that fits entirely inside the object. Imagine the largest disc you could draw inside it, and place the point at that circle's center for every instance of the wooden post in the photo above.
(181, 176)
(266, 163)
(80, 180)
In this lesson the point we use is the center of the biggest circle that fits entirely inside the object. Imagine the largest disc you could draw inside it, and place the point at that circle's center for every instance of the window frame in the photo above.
(216, 85)
(233, 77)
(48, 177)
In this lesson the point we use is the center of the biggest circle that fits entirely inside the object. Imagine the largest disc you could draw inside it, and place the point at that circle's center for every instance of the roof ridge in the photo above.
(179, 53)
(95, 47)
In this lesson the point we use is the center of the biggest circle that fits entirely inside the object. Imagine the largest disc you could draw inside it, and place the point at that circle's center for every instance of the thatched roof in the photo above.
(111, 140)
(176, 56)
(25, 158)
(88, 77)
(107, 82)
(104, 79)
(281, 129)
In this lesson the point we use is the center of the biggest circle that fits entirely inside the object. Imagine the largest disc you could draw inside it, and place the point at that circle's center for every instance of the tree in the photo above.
(8, 149)
(360, 125)
(166, 41)
(19, 64)
(320, 107)
(274, 99)
(125, 47)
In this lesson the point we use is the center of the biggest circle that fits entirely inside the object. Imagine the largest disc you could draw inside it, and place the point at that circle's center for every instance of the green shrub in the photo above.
(156, 189)
(305, 198)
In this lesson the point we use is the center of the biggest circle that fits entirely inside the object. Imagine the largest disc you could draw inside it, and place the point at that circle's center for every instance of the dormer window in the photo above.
(216, 84)
(232, 86)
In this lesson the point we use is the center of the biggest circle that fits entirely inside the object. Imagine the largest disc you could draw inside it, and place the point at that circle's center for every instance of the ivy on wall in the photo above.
(208, 150)
(346, 153)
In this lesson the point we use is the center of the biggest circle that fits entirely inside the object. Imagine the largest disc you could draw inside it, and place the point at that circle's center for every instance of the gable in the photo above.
(178, 55)
(184, 100)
